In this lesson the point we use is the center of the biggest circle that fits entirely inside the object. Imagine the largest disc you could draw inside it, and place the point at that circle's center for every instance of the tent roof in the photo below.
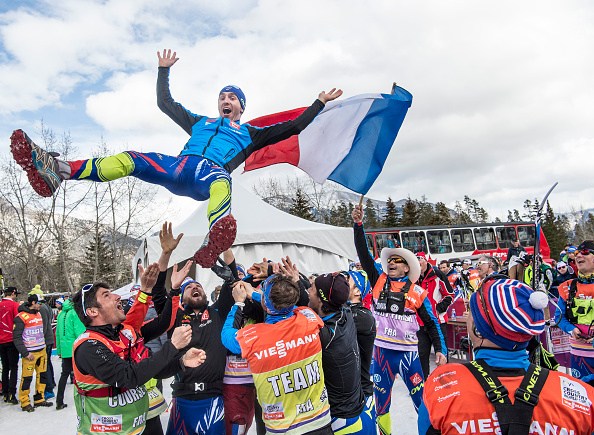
(259, 222)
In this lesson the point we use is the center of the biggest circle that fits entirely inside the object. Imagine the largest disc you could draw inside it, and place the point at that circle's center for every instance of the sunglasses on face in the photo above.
(396, 260)
(85, 289)
(478, 263)
(585, 251)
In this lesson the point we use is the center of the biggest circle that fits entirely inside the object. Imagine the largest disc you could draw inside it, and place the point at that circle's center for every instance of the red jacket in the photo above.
(8, 311)
(436, 291)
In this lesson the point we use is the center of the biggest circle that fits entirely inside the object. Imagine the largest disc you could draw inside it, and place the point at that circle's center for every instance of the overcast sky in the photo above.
(502, 90)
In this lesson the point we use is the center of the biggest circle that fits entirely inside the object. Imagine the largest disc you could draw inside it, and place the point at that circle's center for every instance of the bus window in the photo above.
(462, 240)
(369, 238)
(439, 242)
(505, 235)
(386, 240)
(414, 241)
(485, 239)
(526, 235)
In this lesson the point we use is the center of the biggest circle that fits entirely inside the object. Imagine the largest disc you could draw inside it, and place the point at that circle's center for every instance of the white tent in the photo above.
(262, 231)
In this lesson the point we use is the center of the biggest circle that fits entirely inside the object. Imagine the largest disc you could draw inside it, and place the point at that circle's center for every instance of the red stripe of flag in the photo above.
(286, 151)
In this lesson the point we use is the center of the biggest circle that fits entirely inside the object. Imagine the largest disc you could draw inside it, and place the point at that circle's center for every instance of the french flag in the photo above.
(348, 142)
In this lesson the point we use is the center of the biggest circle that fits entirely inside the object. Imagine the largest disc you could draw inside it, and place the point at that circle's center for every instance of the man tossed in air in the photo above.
(201, 171)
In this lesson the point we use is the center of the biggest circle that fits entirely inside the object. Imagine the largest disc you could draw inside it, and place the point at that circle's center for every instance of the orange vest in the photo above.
(398, 331)
(100, 407)
(286, 363)
(457, 403)
(32, 337)
(584, 292)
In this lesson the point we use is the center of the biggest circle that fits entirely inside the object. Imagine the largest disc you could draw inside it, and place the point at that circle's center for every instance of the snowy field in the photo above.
(48, 421)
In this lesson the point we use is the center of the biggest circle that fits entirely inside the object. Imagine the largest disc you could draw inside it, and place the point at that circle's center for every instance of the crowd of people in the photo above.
(293, 354)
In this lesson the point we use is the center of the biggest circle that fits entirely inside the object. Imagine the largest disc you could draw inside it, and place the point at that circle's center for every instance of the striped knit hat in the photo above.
(514, 310)
(361, 281)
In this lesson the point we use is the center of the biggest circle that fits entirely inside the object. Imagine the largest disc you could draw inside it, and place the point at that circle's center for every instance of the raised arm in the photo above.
(265, 136)
(168, 244)
(367, 261)
(182, 117)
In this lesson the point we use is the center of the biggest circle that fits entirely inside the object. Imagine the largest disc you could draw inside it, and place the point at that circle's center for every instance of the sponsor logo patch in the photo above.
(106, 423)
(575, 396)
(273, 411)
(416, 379)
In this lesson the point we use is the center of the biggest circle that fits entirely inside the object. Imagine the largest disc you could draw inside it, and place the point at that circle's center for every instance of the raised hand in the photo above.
(148, 277)
(287, 268)
(325, 97)
(177, 277)
(357, 214)
(194, 357)
(168, 242)
(168, 59)
(259, 270)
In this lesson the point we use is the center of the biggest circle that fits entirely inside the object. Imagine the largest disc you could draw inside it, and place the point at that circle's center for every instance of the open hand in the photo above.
(325, 97)
(168, 242)
(177, 277)
(168, 59)
(287, 268)
(148, 277)
(259, 270)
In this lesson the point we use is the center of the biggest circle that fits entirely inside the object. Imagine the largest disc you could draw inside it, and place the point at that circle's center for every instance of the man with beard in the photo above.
(111, 363)
(197, 405)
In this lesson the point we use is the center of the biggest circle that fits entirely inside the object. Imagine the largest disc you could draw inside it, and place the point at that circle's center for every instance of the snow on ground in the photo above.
(48, 421)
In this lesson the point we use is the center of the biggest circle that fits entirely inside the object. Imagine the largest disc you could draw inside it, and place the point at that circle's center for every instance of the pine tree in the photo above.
(530, 210)
(344, 216)
(391, 218)
(442, 215)
(426, 211)
(370, 219)
(410, 213)
(554, 231)
(301, 206)
(517, 217)
(98, 262)
(461, 217)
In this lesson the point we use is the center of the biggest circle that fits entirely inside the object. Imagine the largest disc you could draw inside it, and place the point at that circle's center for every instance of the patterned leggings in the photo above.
(386, 363)
(192, 176)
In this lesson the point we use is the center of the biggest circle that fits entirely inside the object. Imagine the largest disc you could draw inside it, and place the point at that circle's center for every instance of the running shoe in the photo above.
(220, 238)
(40, 165)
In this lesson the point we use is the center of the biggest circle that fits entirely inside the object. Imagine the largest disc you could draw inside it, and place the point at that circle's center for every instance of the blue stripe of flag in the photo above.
(373, 142)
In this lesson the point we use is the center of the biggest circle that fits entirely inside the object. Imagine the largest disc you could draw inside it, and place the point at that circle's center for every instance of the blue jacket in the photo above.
(224, 142)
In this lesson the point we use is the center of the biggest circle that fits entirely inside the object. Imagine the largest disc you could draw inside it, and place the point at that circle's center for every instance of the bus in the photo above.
(457, 242)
